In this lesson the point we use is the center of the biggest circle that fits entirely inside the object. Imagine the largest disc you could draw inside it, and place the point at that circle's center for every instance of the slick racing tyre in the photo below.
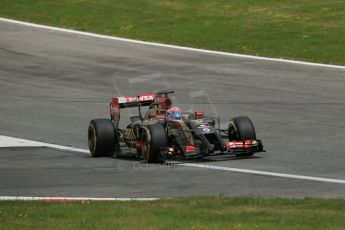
(101, 138)
(241, 128)
(154, 140)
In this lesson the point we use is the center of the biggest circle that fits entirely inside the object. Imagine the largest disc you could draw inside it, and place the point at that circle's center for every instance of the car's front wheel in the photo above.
(154, 140)
(241, 128)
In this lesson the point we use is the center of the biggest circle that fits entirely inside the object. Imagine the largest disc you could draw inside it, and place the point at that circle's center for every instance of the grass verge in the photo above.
(311, 30)
(178, 213)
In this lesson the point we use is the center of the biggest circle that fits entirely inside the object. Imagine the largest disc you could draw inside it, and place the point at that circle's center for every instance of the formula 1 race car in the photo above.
(166, 132)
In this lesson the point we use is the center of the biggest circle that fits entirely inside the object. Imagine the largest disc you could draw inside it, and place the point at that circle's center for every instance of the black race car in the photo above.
(165, 132)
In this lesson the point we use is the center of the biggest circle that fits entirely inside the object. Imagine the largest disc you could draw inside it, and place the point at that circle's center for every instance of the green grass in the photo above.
(178, 213)
(312, 30)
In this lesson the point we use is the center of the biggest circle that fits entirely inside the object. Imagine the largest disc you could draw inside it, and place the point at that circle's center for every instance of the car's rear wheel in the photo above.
(101, 138)
(154, 140)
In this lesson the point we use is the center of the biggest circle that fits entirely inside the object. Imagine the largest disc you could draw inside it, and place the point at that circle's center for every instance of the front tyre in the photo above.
(101, 138)
(241, 128)
(154, 140)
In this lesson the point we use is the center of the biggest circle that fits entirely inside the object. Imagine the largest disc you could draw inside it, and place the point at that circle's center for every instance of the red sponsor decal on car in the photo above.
(239, 144)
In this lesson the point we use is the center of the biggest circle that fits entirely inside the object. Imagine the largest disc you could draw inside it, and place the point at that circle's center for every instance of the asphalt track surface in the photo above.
(52, 83)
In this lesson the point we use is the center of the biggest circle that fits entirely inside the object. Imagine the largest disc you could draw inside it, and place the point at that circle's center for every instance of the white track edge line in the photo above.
(264, 173)
(68, 199)
(8, 142)
(213, 167)
(170, 46)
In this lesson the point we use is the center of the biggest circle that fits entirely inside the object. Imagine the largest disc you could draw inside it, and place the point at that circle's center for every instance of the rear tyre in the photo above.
(101, 138)
(241, 128)
(154, 140)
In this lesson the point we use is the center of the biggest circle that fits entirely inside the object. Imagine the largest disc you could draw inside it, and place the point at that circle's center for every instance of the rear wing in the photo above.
(118, 103)
(129, 102)
(160, 99)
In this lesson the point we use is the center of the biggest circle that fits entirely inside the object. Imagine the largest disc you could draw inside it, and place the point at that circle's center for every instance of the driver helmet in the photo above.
(175, 113)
